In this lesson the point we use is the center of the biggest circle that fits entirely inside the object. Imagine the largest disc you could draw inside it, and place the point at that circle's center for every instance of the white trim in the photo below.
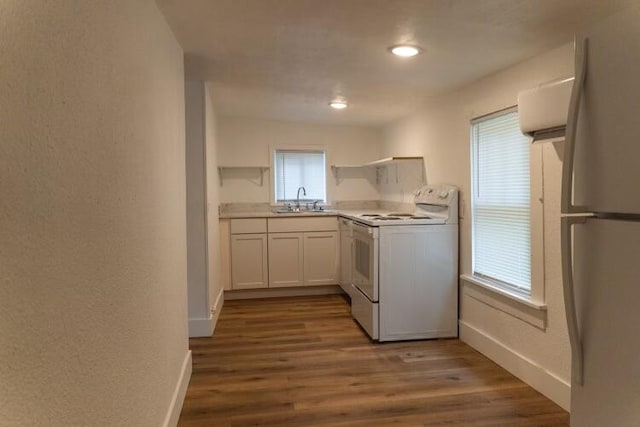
(205, 195)
(494, 114)
(177, 399)
(486, 284)
(536, 222)
(283, 292)
(532, 316)
(216, 309)
(547, 383)
(202, 327)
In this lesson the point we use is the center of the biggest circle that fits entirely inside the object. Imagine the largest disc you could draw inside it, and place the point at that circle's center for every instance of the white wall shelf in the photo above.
(378, 164)
(262, 170)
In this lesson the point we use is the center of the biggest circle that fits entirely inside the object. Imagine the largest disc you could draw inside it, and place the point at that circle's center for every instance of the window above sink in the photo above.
(299, 175)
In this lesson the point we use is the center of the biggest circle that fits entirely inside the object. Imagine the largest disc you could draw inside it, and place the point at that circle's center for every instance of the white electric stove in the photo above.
(403, 278)
(436, 204)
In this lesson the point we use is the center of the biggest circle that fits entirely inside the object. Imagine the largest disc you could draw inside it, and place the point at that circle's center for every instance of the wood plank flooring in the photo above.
(303, 361)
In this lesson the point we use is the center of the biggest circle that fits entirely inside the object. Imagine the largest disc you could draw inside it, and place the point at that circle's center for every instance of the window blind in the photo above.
(295, 169)
(501, 201)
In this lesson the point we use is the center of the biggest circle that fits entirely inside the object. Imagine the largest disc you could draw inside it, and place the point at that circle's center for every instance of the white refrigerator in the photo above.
(601, 224)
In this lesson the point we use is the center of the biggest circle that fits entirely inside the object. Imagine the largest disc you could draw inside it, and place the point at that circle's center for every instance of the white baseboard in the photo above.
(283, 292)
(216, 309)
(201, 327)
(527, 370)
(204, 327)
(177, 400)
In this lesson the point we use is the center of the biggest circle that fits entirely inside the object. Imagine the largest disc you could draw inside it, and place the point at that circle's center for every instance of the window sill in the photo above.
(487, 284)
(523, 308)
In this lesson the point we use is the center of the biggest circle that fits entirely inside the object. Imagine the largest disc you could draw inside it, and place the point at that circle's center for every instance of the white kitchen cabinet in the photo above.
(248, 225)
(320, 258)
(249, 261)
(282, 252)
(317, 223)
(286, 255)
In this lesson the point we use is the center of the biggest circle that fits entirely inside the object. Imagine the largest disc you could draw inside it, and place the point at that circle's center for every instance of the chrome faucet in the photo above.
(304, 192)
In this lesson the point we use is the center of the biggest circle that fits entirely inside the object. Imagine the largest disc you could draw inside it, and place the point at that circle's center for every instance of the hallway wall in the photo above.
(93, 305)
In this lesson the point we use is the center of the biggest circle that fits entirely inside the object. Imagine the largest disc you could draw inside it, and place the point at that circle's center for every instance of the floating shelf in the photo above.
(393, 161)
(262, 170)
(377, 164)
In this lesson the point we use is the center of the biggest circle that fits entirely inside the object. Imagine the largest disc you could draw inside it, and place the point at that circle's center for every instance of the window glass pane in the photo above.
(295, 169)
(501, 198)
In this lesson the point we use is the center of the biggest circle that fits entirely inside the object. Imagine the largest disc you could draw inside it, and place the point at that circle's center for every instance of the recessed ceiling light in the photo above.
(338, 104)
(405, 50)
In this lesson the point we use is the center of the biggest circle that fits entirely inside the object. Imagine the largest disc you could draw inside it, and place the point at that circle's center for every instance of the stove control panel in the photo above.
(440, 195)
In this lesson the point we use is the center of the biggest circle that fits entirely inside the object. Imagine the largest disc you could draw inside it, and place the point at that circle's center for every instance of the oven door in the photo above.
(364, 268)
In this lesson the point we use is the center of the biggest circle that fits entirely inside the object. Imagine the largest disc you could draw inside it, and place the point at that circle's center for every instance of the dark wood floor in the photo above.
(303, 361)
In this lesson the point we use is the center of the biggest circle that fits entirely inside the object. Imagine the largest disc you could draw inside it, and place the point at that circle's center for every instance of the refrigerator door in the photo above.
(607, 297)
(607, 149)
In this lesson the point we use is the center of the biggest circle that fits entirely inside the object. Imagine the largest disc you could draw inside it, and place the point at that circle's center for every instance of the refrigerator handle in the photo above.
(566, 201)
(567, 223)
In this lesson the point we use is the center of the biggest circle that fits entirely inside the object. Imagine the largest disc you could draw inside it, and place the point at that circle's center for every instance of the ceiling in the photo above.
(286, 59)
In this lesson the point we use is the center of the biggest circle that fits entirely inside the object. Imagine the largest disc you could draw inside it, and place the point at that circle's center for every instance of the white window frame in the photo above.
(310, 148)
(536, 297)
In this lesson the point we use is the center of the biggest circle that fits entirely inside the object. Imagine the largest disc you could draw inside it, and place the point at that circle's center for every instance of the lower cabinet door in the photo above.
(321, 258)
(286, 253)
(249, 267)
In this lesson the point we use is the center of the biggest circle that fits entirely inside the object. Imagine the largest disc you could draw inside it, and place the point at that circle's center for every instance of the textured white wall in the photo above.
(440, 133)
(93, 308)
(246, 141)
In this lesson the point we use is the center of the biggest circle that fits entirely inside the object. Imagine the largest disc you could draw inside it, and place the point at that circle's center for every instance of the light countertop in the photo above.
(271, 214)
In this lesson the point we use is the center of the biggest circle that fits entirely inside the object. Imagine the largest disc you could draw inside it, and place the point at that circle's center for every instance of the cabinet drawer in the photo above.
(365, 312)
(248, 225)
(318, 223)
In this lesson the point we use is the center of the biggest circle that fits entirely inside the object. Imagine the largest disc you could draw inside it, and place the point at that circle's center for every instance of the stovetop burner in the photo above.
(397, 218)
(433, 205)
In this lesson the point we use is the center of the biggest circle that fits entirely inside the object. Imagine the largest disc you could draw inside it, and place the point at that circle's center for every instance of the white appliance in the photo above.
(601, 224)
(404, 268)
(543, 110)
(346, 247)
